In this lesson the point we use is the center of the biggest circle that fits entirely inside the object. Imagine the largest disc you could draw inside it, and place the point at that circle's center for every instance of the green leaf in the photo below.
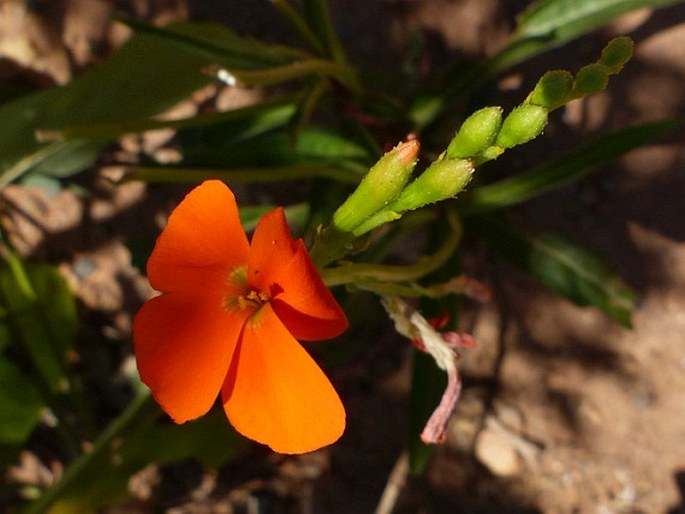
(210, 440)
(209, 153)
(38, 324)
(545, 25)
(235, 125)
(212, 147)
(318, 19)
(551, 23)
(564, 17)
(310, 97)
(250, 62)
(40, 316)
(564, 170)
(217, 42)
(562, 265)
(69, 158)
(20, 404)
(147, 76)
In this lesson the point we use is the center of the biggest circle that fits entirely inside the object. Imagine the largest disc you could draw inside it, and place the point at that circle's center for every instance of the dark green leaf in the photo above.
(308, 100)
(235, 125)
(268, 157)
(551, 23)
(37, 324)
(564, 170)
(147, 76)
(40, 316)
(20, 405)
(213, 147)
(545, 25)
(562, 265)
(210, 440)
(319, 21)
(217, 42)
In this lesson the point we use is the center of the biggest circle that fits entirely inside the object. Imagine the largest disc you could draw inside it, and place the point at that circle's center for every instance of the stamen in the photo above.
(252, 299)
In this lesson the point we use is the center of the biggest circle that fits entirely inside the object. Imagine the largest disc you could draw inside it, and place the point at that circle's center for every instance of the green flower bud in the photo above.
(524, 123)
(380, 186)
(476, 133)
(489, 154)
(617, 52)
(552, 90)
(441, 180)
(590, 79)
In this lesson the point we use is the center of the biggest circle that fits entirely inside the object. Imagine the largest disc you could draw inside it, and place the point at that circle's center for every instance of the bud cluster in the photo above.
(386, 192)
(559, 87)
(485, 135)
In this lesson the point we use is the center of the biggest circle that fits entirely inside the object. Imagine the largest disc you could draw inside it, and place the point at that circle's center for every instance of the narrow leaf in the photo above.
(40, 316)
(239, 124)
(562, 265)
(318, 19)
(551, 23)
(37, 324)
(105, 479)
(20, 404)
(217, 42)
(564, 170)
(148, 75)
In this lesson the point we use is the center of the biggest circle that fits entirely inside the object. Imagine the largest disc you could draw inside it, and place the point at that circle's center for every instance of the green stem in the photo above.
(138, 406)
(276, 74)
(299, 24)
(369, 273)
(318, 18)
(411, 290)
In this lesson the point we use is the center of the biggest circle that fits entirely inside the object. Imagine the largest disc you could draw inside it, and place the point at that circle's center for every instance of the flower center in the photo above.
(240, 294)
(252, 299)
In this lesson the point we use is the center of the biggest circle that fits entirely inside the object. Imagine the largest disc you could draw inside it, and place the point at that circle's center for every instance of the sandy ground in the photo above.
(563, 410)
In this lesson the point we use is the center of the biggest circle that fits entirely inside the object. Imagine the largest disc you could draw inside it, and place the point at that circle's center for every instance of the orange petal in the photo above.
(283, 268)
(184, 344)
(276, 394)
(203, 234)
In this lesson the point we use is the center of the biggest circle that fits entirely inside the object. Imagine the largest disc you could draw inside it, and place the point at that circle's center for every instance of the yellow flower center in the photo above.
(252, 299)
(242, 296)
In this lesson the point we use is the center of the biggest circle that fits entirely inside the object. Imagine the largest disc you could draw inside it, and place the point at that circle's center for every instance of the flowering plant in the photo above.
(358, 175)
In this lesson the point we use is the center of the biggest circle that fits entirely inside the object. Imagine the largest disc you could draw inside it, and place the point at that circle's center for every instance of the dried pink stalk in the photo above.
(442, 346)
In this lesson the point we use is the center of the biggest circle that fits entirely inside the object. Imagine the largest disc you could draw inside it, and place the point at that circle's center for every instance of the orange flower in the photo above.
(228, 319)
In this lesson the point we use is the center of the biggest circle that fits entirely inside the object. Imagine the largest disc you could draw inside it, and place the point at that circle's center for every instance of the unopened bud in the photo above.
(524, 123)
(441, 180)
(552, 90)
(617, 52)
(476, 133)
(590, 79)
(381, 185)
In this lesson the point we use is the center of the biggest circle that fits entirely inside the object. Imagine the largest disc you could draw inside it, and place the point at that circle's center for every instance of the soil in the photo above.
(563, 410)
